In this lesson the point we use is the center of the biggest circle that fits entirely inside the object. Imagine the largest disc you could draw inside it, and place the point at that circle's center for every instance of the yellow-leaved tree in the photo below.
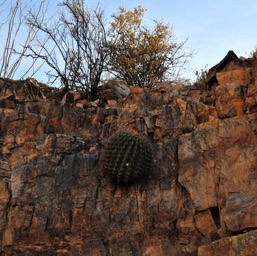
(143, 56)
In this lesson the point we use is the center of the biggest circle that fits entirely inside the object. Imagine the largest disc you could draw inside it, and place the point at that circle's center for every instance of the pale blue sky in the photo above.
(212, 27)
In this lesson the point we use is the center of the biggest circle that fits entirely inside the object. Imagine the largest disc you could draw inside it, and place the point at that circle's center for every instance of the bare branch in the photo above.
(18, 37)
(79, 40)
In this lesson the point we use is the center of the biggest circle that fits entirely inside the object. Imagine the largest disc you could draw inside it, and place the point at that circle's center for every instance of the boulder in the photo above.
(114, 89)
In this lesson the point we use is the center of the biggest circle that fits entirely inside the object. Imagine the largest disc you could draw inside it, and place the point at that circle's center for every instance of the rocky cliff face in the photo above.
(201, 198)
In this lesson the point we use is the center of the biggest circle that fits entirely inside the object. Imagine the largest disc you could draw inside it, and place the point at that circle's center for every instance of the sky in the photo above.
(211, 27)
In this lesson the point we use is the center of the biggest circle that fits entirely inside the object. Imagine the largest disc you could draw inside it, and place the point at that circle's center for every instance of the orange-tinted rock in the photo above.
(244, 245)
(231, 69)
(112, 103)
(187, 226)
(57, 199)
(229, 100)
(240, 211)
(205, 223)
(70, 97)
(113, 90)
(84, 104)
(136, 90)
(163, 87)
(197, 173)
(154, 250)
(239, 75)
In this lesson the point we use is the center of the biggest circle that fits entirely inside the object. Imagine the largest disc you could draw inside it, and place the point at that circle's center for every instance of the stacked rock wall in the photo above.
(56, 199)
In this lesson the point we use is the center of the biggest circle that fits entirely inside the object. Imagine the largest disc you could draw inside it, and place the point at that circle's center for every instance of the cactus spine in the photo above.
(128, 158)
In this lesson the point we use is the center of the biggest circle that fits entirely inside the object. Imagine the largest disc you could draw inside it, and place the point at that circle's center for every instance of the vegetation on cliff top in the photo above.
(81, 48)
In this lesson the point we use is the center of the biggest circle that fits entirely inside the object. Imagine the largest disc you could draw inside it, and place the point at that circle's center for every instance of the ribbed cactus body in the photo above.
(128, 158)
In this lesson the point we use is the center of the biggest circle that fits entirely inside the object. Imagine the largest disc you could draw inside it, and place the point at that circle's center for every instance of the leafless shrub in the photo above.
(78, 41)
(17, 37)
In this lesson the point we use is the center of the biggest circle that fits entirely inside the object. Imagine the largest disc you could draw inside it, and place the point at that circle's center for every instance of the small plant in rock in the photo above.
(128, 158)
(202, 78)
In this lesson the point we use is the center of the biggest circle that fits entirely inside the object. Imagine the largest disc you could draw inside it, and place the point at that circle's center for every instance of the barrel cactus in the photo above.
(128, 158)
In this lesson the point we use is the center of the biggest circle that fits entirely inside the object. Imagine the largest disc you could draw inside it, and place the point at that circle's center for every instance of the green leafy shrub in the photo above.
(128, 158)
